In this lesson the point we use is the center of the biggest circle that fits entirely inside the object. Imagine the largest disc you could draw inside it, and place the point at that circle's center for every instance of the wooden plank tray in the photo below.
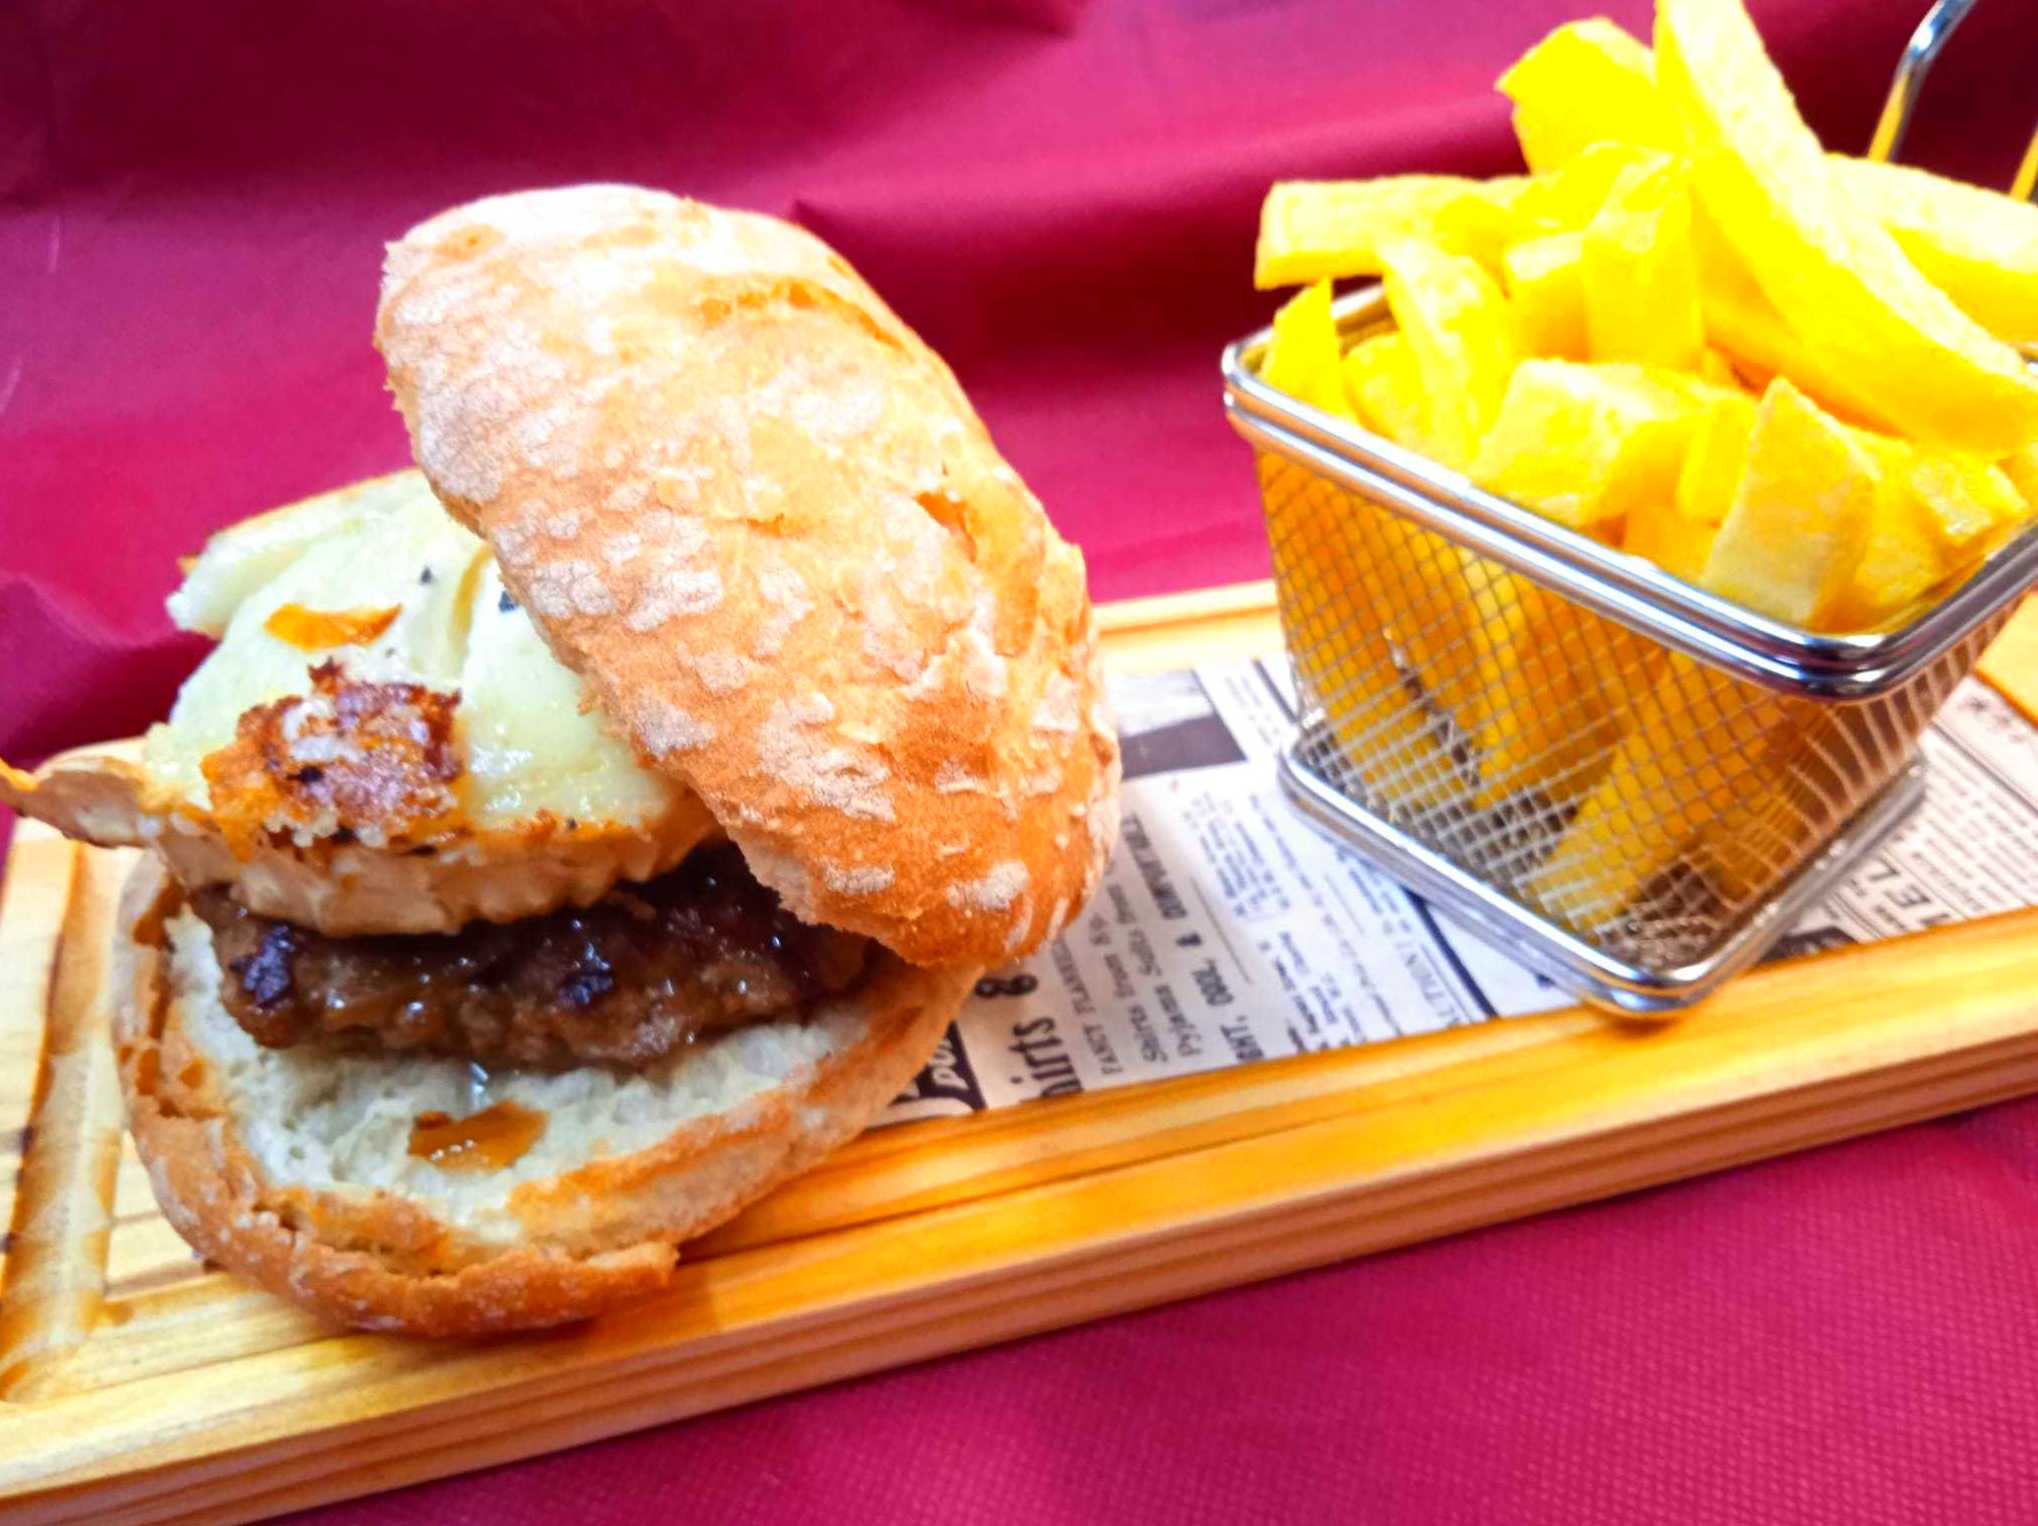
(135, 1385)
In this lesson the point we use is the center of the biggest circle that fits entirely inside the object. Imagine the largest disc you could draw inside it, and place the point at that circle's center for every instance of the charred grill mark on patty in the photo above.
(624, 982)
(266, 976)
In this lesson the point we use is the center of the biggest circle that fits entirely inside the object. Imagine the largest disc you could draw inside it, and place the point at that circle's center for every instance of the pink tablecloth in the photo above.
(1061, 196)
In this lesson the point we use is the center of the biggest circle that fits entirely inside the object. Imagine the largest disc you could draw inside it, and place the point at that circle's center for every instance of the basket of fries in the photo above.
(1630, 530)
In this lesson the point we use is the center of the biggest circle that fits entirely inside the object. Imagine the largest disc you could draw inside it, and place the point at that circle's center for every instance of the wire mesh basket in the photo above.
(1629, 783)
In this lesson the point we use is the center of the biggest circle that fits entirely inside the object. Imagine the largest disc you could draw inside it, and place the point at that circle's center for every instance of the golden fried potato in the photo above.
(1569, 197)
(1902, 560)
(1675, 783)
(1743, 323)
(1583, 443)
(2021, 467)
(1714, 367)
(1679, 545)
(1718, 453)
(1384, 388)
(1549, 679)
(1399, 598)
(1590, 82)
(1584, 341)
(1640, 275)
(1545, 285)
(1303, 360)
(1570, 86)
(1965, 500)
(1313, 229)
(1459, 327)
(1978, 246)
(1801, 516)
(1836, 278)
(1373, 605)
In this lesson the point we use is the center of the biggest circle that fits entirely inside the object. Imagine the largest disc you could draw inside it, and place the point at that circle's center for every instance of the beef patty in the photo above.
(622, 982)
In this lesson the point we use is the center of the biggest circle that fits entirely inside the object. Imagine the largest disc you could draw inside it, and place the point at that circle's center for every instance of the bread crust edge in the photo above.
(430, 1279)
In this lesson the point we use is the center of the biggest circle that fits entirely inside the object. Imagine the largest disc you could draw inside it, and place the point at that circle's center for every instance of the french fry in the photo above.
(1800, 517)
(1420, 619)
(1547, 291)
(2021, 467)
(1584, 341)
(1901, 560)
(1477, 225)
(1743, 323)
(1713, 464)
(1805, 759)
(1385, 389)
(1639, 273)
(1349, 640)
(1677, 781)
(1462, 334)
(1590, 82)
(1426, 623)
(1567, 198)
(1964, 500)
(1833, 274)
(1582, 443)
(1316, 229)
(1549, 673)
(1303, 360)
(1572, 87)
(1674, 542)
(1699, 390)
(1714, 367)
(1978, 246)
(1548, 680)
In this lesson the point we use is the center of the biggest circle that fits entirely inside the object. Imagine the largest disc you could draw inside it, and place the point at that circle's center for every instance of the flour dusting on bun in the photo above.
(572, 838)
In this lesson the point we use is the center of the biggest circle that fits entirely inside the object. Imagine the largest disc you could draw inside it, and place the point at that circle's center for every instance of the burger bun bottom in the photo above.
(293, 1168)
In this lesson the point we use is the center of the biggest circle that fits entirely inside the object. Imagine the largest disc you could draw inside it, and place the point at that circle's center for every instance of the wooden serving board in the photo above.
(137, 1386)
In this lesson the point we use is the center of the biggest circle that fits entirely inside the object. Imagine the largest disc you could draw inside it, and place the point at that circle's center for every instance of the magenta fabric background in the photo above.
(1061, 196)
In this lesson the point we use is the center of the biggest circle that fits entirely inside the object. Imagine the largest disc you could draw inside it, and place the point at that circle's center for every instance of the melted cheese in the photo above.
(533, 743)
(243, 557)
(534, 748)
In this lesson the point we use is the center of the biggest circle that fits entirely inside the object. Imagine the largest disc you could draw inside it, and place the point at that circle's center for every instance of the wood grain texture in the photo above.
(51, 1293)
(34, 898)
(194, 1396)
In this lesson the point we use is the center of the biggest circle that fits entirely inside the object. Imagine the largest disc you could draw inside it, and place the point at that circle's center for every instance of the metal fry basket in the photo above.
(1626, 782)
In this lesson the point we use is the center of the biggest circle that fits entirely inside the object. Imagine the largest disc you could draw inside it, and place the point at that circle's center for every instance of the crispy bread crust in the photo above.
(592, 1237)
(759, 516)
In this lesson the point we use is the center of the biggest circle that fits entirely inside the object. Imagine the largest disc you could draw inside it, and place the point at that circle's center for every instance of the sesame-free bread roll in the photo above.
(759, 517)
(747, 563)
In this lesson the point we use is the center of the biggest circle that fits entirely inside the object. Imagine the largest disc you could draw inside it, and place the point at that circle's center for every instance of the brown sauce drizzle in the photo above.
(489, 1140)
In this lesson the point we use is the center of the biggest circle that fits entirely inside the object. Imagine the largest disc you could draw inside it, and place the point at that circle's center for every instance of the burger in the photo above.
(573, 837)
